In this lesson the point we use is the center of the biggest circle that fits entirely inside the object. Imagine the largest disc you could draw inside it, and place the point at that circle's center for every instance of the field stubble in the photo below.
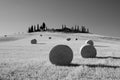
(23, 61)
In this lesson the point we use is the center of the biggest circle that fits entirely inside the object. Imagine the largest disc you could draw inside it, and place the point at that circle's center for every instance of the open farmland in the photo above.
(21, 60)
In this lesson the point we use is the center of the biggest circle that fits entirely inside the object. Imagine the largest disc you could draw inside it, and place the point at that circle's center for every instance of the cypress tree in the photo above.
(87, 30)
(32, 29)
(78, 29)
(83, 29)
(43, 26)
(72, 29)
(62, 27)
(38, 28)
(75, 29)
(29, 30)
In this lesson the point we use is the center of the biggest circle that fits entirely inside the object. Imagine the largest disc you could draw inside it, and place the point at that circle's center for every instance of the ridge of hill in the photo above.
(84, 36)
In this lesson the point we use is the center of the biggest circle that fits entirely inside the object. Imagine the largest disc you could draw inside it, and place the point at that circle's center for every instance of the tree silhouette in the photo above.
(29, 30)
(87, 30)
(72, 29)
(75, 28)
(43, 26)
(32, 30)
(62, 26)
(38, 28)
(83, 30)
(78, 30)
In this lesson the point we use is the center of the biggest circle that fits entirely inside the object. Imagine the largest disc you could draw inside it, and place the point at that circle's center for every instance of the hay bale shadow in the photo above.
(100, 46)
(107, 57)
(90, 65)
(42, 43)
(101, 66)
(71, 65)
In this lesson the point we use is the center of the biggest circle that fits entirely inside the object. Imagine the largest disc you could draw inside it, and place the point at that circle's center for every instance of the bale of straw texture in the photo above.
(68, 39)
(90, 42)
(5, 35)
(41, 35)
(76, 39)
(88, 51)
(61, 55)
(33, 41)
(50, 37)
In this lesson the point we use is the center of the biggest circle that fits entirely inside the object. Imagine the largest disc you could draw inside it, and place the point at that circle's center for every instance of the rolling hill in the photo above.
(21, 60)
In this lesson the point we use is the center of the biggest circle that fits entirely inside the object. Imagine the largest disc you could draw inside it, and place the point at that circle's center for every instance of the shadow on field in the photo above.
(6, 39)
(101, 66)
(100, 46)
(42, 43)
(91, 65)
(108, 57)
(71, 65)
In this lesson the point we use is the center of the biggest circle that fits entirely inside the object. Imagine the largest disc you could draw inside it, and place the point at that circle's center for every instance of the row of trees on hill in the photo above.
(37, 28)
(75, 29)
(43, 27)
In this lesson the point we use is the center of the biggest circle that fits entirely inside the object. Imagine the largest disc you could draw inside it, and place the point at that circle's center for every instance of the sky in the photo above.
(100, 16)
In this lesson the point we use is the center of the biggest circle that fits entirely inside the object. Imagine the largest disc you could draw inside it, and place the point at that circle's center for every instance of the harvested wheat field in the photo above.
(21, 60)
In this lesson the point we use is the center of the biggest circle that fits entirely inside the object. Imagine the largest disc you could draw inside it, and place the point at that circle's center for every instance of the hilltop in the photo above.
(19, 59)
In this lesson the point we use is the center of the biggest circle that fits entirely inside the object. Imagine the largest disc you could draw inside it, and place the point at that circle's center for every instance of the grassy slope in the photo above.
(19, 60)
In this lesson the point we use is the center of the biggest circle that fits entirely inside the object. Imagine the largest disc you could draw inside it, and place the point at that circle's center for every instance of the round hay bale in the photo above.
(76, 39)
(90, 42)
(5, 35)
(33, 41)
(88, 51)
(41, 35)
(61, 55)
(68, 39)
(50, 37)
